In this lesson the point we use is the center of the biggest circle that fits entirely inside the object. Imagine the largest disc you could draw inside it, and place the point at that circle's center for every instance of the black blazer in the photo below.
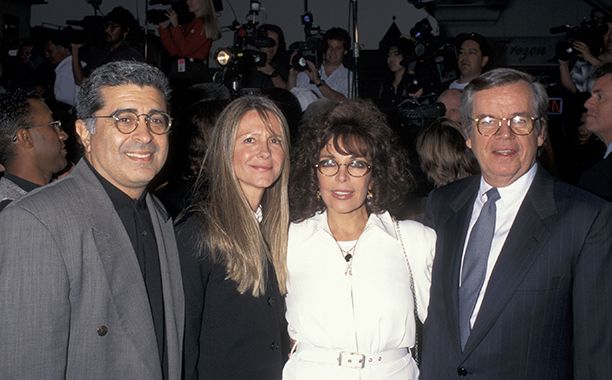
(547, 307)
(598, 179)
(228, 335)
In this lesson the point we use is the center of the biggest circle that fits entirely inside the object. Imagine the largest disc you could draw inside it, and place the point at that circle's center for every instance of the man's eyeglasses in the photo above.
(355, 168)
(520, 125)
(127, 121)
(57, 125)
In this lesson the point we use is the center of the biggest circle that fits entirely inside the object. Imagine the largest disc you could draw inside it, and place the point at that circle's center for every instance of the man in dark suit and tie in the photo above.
(522, 278)
(598, 119)
(90, 282)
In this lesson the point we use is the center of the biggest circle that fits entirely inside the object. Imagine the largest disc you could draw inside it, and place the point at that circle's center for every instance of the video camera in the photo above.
(241, 56)
(431, 60)
(311, 49)
(589, 32)
(157, 16)
(413, 113)
(89, 30)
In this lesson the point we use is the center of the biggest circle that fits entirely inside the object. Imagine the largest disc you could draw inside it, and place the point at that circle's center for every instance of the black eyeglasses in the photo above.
(57, 125)
(520, 125)
(355, 168)
(127, 121)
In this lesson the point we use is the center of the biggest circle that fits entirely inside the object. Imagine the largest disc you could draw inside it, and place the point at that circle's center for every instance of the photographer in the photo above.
(119, 23)
(578, 78)
(189, 44)
(274, 72)
(332, 79)
(400, 83)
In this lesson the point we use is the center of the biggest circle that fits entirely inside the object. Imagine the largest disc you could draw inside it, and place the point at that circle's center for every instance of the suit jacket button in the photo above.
(102, 330)
(270, 301)
(274, 346)
(462, 371)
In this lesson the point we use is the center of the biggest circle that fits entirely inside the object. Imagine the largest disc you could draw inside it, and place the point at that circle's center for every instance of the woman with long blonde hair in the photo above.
(233, 243)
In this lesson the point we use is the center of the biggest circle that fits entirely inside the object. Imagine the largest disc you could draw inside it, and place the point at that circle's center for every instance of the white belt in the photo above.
(346, 358)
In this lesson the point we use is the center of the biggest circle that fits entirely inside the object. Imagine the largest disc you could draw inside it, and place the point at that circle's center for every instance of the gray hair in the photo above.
(89, 99)
(501, 77)
(15, 114)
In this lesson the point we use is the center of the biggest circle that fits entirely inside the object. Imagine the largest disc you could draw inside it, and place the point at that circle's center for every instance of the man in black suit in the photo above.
(528, 296)
(598, 119)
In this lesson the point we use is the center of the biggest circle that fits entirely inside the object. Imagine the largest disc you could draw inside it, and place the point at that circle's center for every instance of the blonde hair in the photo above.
(231, 232)
(209, 16)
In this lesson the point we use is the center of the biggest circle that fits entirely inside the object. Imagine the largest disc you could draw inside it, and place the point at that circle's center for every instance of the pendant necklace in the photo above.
(348, 254)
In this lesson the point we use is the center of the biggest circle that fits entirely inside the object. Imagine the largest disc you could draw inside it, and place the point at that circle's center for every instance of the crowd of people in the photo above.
(297, 233)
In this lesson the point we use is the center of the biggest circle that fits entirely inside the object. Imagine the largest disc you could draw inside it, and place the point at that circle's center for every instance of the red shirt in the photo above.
(186, 41)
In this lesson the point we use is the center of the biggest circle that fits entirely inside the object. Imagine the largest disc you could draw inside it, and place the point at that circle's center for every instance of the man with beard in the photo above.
(119, 23)
(473, 54)
(31, 145)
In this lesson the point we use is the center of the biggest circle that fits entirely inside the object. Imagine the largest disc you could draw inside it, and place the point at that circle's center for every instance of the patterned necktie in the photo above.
(475, 263)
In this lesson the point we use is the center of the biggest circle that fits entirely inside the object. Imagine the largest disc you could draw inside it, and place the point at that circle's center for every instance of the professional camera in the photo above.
(432, 60)
(589, 32)
(89, 30)
(413, 113)
(311, 49)
(241, 56)
(157, 16)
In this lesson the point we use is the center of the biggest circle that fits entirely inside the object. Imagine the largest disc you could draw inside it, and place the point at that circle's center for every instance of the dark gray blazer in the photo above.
(73, 303)
(547, 307)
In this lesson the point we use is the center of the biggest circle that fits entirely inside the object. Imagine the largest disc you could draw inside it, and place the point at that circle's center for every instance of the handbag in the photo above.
(415, 351)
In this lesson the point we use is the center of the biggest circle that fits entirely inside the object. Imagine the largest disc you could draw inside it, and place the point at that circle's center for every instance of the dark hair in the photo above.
(501, 77)
(338, 34)
(485, 47)
(14, 115)
(118, 73)
(121, 16)
(602, 70)
(264, 28)
(354, 127)
(60, 38)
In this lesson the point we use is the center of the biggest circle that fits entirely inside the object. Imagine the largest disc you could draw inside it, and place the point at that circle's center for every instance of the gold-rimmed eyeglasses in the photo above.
(126, 121)
(520, 124)
(355, 168)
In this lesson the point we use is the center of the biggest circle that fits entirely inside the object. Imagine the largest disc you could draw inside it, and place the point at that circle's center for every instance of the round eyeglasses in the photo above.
(520, 125)
(355, 168)
(127, 121)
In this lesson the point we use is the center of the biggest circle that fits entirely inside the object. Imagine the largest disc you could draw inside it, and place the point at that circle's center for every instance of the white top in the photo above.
(608, 150)
(307, 92)
(457, 85)
(511, 198)
(65, 89)
(369, 312)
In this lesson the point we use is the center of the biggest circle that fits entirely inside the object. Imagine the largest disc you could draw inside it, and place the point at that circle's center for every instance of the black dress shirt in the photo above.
(137, 222)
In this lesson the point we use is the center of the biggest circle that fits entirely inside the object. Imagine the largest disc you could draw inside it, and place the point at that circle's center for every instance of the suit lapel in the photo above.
(123, 275)
(171, 283)
(522, 246)
(455, 227)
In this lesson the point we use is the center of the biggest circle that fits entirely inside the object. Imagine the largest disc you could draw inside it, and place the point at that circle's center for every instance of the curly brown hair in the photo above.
(354, 127)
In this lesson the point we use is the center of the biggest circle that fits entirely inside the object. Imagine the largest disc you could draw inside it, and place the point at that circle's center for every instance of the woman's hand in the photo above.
(585, 52)
(173, 17)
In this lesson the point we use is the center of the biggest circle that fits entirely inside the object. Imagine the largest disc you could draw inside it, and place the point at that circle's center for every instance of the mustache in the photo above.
(140, 148)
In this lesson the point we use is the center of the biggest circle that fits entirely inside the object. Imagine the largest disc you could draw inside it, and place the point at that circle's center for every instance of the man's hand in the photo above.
(173, 17)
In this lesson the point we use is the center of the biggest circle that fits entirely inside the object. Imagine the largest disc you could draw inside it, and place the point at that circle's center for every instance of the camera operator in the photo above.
(332, 79)
(400, 83)
(119, 23)
(473, 54)
(189, 44)
(578, 79)
(274, 72)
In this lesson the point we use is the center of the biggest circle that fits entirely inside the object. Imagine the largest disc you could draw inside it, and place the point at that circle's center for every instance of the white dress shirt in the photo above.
(369, 312)
(511, 198)
(64, 89)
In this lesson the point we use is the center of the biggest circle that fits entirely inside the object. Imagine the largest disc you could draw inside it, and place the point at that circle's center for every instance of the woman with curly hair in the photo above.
(356, 276)
(232, 246)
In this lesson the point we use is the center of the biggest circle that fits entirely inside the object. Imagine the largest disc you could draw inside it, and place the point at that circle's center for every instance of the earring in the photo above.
(370, 196)
(318, 195)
